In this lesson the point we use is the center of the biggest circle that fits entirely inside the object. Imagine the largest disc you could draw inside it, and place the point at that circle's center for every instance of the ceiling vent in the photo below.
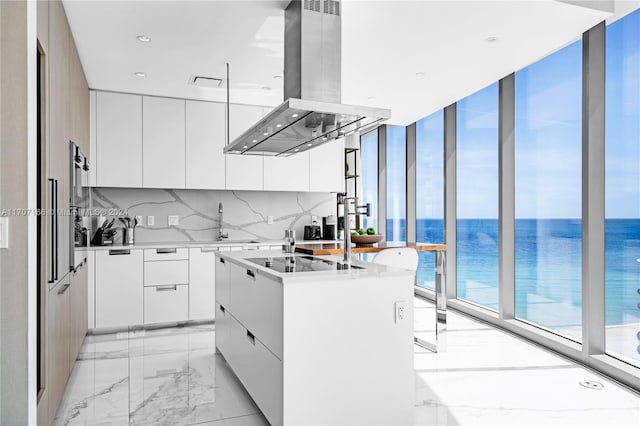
(202, 81)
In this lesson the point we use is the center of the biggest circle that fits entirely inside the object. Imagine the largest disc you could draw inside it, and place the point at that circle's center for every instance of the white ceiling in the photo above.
(385, 43)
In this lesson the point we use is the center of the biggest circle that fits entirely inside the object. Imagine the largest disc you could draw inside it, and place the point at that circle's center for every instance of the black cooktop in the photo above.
(301, 264)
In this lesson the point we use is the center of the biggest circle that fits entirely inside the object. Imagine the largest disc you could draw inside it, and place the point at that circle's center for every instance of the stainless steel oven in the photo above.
(79, 203)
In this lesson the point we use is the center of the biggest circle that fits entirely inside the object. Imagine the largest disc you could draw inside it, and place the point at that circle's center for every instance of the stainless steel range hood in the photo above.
(312, 113)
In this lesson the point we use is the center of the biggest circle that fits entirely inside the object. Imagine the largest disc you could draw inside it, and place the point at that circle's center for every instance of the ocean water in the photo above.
(548, 255)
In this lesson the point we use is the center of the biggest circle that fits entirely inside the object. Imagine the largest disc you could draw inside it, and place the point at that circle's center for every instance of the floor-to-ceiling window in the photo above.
(622, 189)
(429, 192)
(396, 183)
(548, 180)
(369, 177)
(477, 197)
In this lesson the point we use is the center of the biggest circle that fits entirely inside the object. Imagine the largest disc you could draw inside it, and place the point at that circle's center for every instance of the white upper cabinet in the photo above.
(205, 140)
(152, 142)
(118, 140)
(326, 167)
(163, 160)
(244, 172)
(287, 173)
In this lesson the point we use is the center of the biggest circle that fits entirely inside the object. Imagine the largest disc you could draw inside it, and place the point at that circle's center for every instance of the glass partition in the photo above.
(548, 181)
(369, 176)
(429, 192)
(622, 189)
(396, 183)
(477, 197)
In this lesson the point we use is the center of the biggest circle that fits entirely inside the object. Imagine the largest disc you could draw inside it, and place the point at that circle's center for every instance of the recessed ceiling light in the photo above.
(278, 125)
(324, 138)
(139, 74)
(297, 149)
(144, 38)
(309, 144)
(266, 133)
(420, 74)
(491, 39)
(255, 140)
(294, 115)
(245, 147)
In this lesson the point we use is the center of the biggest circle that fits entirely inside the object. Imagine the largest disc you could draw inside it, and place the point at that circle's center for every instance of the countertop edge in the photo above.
(370, 269)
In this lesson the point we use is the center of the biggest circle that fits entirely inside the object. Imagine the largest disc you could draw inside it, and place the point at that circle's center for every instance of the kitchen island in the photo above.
(315, 341)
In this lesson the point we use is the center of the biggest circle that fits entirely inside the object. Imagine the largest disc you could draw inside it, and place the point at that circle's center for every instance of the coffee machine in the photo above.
(329, 227)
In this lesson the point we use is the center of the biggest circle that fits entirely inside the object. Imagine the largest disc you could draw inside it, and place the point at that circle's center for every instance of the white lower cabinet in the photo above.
(222, 286)
(202, 277)
(129, 287)
(166, 272)
(259, 370)
(222, 329)
(256, 301)
(118, 279)
(166, 303)
(249, 333)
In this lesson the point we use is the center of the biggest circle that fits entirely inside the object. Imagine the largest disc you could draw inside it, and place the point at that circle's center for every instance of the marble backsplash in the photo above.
(245, 212)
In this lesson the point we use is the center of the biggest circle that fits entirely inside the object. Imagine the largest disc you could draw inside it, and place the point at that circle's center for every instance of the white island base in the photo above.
(318, 348)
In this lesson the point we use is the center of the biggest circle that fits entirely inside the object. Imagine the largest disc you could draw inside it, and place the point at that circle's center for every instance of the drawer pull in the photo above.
(251, 337)
(251, 274)
(221, 260)
(208, 249)
(64, 288)
(166, 288)
(119, 252)
(166, 251)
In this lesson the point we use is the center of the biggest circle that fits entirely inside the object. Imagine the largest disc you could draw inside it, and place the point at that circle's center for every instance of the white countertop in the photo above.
(369, 270)
(196, 244)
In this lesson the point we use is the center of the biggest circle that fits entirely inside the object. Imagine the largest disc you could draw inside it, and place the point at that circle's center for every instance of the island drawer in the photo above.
(166, 303)
(169, 272)
(259, 370)
(256, 302)
(222, 330)
(222, 281)
(166, 253)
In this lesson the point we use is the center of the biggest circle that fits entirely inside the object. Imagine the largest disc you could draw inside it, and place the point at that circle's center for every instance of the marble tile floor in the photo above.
(172, 376)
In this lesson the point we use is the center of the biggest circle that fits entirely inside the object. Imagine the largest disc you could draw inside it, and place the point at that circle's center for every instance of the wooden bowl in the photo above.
(366, 240)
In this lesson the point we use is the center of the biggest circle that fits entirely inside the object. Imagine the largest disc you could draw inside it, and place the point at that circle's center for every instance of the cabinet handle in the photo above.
(251, 274)
(222, 309)
(208, 250)
(64, 288)
(55, 229)
(166, 251)
(52, 237)
(119, 252)
(166, 287)
(222, 260)
(251, 337)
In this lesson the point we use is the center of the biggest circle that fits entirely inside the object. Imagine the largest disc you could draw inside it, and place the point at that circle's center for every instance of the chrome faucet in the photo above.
(221, 233)
(347, 231)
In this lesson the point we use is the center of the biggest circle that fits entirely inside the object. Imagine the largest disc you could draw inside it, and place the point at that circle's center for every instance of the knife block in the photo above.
(103, 238)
